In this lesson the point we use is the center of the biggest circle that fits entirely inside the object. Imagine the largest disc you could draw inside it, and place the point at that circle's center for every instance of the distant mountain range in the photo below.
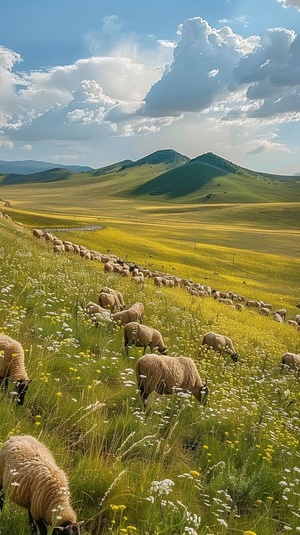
(29, 167)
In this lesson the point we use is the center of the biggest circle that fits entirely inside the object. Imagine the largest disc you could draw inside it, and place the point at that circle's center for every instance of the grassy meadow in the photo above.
(231, 467)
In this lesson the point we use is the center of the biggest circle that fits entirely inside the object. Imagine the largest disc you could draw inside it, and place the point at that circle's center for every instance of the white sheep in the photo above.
(143, 336)
(112, 291)
(38, 233)
(290, 361)
(220, 343)
(277, 317)
(29, 474)
(166, 375)
(281, 312)
(110, 301)
(134, 313)
(13, 367)
(92, 308)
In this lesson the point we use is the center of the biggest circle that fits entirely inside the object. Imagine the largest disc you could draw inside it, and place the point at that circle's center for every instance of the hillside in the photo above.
(164, 176)
(220, 468)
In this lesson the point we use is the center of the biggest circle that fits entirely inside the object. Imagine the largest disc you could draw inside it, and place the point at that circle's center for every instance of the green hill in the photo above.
(162, 177)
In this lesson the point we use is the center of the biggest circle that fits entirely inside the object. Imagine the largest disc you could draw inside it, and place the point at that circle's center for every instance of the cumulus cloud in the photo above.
(187, 83)
(127, 92)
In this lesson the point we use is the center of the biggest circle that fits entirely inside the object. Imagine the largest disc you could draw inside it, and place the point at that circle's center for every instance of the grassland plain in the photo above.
(227, 468)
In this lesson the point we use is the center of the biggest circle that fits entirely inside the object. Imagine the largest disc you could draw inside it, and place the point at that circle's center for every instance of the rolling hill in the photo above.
(162, 177)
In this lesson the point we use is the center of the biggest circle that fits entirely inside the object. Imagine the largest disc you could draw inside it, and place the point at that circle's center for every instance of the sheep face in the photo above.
(204, 393)
(234, 357)
(20, 391)
(68, 528)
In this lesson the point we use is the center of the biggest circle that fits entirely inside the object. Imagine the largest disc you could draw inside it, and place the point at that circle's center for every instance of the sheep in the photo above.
(281, 312)
(112, 291)
(277, 317)
(265, 311)
(134, 313)
(13, 366)
(291, 361)
(38, 233)
(29, 474)
(93, 308)
(297, 319)
(143, 336)
(166, 375)
(220, 343)
(109, 301)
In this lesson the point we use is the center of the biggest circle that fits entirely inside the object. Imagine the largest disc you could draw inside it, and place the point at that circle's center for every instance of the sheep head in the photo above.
(204, 393)
(234, 357)
(20, 390)
(68, 528)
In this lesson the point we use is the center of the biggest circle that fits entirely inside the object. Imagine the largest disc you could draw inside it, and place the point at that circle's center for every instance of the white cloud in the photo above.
(293, 3)
(214, 74)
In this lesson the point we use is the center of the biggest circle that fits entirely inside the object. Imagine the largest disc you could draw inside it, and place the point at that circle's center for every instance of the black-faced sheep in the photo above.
(290, 361)
(143, 336)
(166, 375)
(134, 313)
(29, 474)
(220, 343)
(13, 367)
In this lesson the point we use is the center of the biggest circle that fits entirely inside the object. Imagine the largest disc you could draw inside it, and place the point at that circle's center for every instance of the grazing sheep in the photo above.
(281, 312)
(109, 301)
(292, 322)
(13, 366)
(143, 336)
(92, 308)
(265, 311)
(165, 375)
(297, 319)
(134, 313)
(29, 474)
(277, 317)
(38, 233)
(220, 343)
(112, 291)
(291, 361)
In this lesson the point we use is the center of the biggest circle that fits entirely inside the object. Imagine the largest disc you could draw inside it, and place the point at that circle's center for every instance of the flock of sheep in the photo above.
(114, 264)
(27, 468)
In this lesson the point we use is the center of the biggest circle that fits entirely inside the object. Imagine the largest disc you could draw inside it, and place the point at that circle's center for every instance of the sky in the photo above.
(95, 82)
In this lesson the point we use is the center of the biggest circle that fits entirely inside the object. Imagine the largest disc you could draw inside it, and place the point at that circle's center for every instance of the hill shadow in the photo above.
(180, 182)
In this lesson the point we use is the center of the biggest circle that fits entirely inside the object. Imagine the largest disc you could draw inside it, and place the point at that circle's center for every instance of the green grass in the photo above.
(235, 463)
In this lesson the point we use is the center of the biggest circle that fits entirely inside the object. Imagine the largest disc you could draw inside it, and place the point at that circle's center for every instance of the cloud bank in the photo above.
(234, 79)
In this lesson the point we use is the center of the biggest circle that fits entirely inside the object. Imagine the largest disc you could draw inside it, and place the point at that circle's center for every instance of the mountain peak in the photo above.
(217, 161)
(166, 156)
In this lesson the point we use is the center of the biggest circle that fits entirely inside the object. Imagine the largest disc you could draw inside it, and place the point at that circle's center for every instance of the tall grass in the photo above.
(177, 467)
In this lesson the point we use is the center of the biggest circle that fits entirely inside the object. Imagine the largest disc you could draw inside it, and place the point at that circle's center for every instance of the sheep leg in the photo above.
(2, 497)
(34, 524)
(144, 394)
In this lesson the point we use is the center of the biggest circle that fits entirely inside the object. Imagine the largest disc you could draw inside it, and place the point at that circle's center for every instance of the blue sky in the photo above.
(95, 82)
